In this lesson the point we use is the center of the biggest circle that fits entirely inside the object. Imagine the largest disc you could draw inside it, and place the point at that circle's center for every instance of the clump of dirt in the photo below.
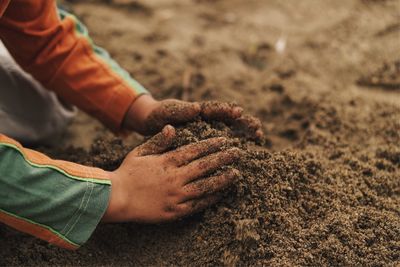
(387, 76)
(257, 56)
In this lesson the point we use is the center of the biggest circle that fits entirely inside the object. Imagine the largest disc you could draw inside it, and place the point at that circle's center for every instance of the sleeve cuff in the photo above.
(93, 206)
(118, 106)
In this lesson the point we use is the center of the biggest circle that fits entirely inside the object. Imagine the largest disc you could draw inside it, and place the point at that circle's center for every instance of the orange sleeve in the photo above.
(54, 47)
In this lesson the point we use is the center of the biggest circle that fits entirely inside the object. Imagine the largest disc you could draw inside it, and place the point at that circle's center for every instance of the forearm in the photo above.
(62, 57)
(57, 201)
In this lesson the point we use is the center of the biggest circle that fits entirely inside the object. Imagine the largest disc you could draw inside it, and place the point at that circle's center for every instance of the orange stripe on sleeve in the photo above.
(35, 230)
(68, 167)
(3, 6)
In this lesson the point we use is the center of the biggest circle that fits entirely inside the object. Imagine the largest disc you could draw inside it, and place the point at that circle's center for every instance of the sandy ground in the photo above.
(314, 72)
(230, 48)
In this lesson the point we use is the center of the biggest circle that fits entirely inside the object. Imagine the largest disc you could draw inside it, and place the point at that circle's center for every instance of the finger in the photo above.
(196, 205)
(210, 163)
(188, 153)
(157, 144)
(210, 185)
(249, 125)
(172, 112)
(220, 111)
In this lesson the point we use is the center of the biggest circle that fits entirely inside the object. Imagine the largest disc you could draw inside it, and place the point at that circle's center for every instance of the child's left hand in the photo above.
(149, 116)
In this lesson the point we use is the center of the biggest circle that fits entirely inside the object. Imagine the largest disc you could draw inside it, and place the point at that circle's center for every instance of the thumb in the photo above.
(157, 144)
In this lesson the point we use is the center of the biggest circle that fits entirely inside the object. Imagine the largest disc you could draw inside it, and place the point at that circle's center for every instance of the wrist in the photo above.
(138, 112)
(115, 207)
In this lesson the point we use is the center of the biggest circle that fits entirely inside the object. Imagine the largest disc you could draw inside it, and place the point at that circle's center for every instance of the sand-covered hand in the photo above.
(152, 185)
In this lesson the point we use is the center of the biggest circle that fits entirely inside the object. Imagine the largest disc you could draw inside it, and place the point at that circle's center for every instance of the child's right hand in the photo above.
(151, 186)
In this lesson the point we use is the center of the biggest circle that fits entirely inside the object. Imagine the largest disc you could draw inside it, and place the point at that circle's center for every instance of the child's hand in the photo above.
(151, 186)
(148, 116)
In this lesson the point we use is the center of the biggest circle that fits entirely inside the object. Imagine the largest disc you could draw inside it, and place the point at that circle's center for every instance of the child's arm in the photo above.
(54, 47)
(62, 202)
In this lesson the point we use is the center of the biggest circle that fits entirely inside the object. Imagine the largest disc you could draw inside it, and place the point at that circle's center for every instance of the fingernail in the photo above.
(221, 140)
(236, 173)
(236, 152)
(168, 131)
(259, 133)
(196, 106)
(237, 111)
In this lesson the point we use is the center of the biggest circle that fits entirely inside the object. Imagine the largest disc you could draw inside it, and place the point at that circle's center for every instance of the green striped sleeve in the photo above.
(48, 198)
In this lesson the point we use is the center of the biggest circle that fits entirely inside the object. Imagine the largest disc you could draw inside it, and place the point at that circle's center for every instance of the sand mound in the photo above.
(296, 207)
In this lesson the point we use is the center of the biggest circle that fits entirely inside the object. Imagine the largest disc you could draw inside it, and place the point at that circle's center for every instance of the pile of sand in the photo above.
(320, 202)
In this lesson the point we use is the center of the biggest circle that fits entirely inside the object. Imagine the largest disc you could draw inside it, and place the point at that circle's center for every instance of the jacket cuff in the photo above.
(119, 106)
